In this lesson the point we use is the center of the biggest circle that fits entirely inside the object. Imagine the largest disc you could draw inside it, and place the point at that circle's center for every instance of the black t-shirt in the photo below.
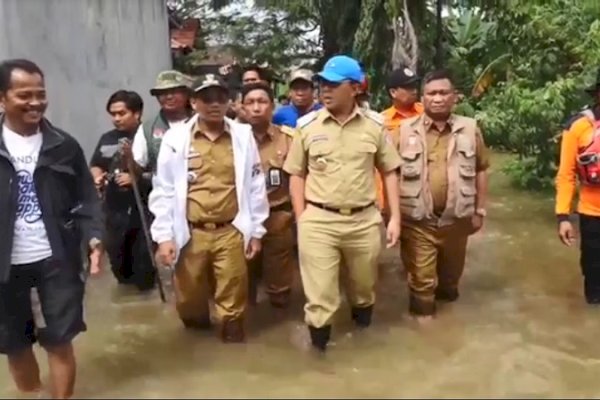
(107, 157)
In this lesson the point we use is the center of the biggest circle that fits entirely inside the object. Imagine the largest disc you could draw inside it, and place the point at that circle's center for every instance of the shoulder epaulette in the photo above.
(375, 116)
(307, 119)
(287, 130)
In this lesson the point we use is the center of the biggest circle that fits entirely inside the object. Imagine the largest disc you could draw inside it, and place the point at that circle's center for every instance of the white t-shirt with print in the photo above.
(30, 242)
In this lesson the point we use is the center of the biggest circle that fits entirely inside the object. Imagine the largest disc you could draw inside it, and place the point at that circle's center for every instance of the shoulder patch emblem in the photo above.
(287, 130)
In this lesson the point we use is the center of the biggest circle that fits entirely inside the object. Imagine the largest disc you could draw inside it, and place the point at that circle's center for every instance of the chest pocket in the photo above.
(195, 163)
(465, 151)
(412, 158)
(367, 151)
(321, 158)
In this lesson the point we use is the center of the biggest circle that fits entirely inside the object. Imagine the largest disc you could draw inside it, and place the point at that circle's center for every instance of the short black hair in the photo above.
(282, 98)
(438, 75)
(262, 74)
(8, 66)
(258, 86)
(132, 100)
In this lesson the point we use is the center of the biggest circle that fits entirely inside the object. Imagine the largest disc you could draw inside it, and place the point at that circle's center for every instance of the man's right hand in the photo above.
(99, 181)
(165, 255)
(566, 233)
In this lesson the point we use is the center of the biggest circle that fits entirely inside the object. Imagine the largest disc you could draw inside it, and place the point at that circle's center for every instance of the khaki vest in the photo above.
(415, 195)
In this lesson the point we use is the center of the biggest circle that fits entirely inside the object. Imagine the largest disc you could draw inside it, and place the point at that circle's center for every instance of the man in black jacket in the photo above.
(49, 210)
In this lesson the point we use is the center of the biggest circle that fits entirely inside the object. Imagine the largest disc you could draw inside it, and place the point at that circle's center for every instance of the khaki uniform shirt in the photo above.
(211, 189)
(338, 159)
(273, 149)
(437, 161)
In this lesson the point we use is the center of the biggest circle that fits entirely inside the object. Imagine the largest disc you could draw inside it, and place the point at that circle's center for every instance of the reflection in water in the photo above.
(520, 328)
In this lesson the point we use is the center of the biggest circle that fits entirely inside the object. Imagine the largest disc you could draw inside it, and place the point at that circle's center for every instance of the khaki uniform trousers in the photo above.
(324, 237)
(212, 265)
(277, 259)
(434, 258)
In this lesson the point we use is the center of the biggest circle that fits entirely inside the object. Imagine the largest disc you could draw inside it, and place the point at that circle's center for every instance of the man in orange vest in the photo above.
(580, 161)
(402, 86)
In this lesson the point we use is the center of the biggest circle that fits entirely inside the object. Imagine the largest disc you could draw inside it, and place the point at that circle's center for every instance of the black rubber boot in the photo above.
(446, 295)
(320, 337)
(202, 324)
(362, 316)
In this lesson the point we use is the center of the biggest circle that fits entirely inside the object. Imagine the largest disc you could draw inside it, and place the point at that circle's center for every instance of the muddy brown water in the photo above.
(520, 329)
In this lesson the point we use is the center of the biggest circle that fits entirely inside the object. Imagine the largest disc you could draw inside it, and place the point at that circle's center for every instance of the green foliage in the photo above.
(554, 48)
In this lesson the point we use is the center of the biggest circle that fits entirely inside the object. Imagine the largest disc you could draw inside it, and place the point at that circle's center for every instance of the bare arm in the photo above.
(390, 181)
(297, 194)
(482, 186)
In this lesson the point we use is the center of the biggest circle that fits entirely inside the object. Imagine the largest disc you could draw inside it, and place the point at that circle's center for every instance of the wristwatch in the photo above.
(481, 212)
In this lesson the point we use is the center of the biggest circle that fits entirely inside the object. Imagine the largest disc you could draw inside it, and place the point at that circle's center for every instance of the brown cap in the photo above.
(301, 74)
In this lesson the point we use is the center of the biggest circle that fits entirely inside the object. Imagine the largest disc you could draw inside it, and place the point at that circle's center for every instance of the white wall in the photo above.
(88, 49)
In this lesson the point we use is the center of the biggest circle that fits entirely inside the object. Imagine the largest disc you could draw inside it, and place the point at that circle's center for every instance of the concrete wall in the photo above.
(88, 49)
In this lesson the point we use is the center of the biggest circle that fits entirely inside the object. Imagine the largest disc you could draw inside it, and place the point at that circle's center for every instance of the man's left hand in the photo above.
(392, 232)
(476, 223)
(253, 249)
(123, 179)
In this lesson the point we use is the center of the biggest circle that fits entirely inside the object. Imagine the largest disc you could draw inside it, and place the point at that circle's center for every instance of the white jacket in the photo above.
(168, 199)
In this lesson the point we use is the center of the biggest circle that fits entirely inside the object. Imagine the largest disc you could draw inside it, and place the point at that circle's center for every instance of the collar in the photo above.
(200, 128)
(356, 113)
(453, 123)
(52, 137)
(404, 113)
(272, 131)
(313, 107)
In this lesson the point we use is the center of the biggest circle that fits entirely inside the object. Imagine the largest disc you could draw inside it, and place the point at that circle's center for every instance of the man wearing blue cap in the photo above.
(331, 163)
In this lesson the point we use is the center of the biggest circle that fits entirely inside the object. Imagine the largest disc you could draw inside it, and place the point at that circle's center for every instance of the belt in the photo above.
(209, 226)
(287, 206)
(343, 211)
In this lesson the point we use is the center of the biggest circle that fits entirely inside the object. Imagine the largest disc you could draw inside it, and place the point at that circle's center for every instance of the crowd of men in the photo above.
(234, 191)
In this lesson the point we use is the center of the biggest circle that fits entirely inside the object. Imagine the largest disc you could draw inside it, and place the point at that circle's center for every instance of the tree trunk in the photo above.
(439, 40)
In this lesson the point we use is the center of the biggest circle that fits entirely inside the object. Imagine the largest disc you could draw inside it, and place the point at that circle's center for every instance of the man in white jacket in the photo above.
(209, 203)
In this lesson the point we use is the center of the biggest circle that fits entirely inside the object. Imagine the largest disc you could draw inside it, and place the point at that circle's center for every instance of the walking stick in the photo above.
(145, 228)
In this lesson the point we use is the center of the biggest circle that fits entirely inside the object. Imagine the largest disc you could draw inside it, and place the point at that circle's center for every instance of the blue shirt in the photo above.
(288, 115)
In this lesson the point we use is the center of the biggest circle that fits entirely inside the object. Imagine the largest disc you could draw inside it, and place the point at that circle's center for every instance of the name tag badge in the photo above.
(275, 177)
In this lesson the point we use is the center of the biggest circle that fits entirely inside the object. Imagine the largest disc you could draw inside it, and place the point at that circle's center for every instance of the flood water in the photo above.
(520, 329)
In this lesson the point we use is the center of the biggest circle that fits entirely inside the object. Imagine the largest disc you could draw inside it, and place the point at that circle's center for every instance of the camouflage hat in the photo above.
(301, 75)
(169, 80)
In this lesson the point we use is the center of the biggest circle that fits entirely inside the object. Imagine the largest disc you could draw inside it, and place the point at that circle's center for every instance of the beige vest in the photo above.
(415, 195)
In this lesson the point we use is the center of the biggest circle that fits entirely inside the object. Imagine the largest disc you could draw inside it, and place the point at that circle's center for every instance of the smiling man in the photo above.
(172, 90)
(48, 209)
